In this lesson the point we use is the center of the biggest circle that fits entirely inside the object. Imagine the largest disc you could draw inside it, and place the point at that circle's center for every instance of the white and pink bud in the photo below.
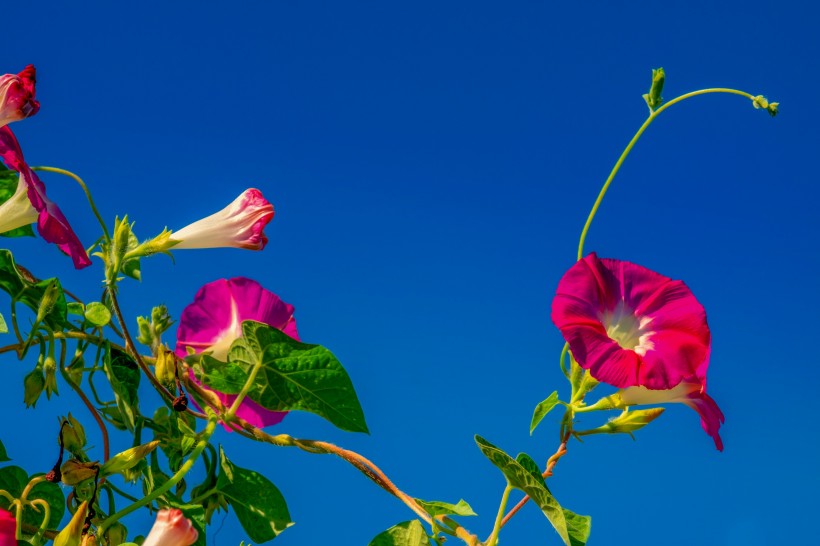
(171, 528)
(17, 96)
(239, 225)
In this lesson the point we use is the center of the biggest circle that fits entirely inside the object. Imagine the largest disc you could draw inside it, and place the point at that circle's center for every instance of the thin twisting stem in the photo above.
(85, 189)
(631, 144)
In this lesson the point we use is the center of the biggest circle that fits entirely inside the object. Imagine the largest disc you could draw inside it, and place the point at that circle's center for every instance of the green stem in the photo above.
(492, 540)
(244, 392)
(631, 144)
(85, 189)
(175, 479)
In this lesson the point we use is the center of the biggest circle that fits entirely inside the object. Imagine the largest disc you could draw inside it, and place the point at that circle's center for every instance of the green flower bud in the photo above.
(627, 422)
(73, 434)
(128, 458)
(116, 534)
(50, 369)
(50, 297)
(75, 471)
(165, 368)
(33, 385)
(75, 369)
(653, 98)
(72, 534)
(146, 335)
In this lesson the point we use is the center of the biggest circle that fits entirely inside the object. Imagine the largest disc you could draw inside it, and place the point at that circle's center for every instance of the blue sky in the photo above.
(431, 165)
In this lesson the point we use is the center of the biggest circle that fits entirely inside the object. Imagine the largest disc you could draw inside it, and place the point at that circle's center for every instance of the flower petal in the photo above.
(8, 529)
(51, 222)
(710, 415)
(171, 528)
(17, 96)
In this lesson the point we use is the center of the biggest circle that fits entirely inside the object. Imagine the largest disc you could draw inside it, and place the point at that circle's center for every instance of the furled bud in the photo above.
(653, 98)
(33, 385)
(75, 471)
(171, 528)
(73, 435)
(128, 458)
(627, 422)
(50, 370)
(165, 368)
(50, 297)
(72, 534)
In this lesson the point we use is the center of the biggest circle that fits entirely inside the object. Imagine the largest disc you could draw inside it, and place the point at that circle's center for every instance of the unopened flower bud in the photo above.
(50, 369)
(116, 534)
(653, 98)
(75, 471)
(627, 422)
(72, 534)
(73, 434)
(33, 385)
(171, 528)
(50, 297)
(165, 368)
(146, 336)
(128, 458)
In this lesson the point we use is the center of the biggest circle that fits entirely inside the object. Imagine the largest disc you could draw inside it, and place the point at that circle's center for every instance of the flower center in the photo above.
(627, 330)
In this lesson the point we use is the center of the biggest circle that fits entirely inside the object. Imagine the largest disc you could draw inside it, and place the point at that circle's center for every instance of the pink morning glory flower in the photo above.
(51, 222)
(17, 96)
(8, 529)
(171, 528)
(632, 327)
(238, 225)
(214, 320)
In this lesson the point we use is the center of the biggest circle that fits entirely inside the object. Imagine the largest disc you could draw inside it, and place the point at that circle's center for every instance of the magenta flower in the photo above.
(632, 327)
(17, 96)
(238, 225)
(171, 528)
(8, 529)
(51, 223)
(214, 321)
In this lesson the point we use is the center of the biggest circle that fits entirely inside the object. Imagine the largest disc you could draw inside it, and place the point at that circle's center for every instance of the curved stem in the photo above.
(100, 423)
(85, 189)
(631, 144)
(175, 479)
(492, 540)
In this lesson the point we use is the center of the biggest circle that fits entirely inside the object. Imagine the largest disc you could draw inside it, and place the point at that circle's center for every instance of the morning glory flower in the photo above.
(14, 213)
(639, 331)
(171, 528)
(238, 225)
(214, 320)
(17, 96)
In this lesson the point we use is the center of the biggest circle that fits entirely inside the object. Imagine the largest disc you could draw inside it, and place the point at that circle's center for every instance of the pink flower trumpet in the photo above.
(17, 211)
(214, 320)
(238, 225)
(17, 96)
(640, 331)
(171, 528)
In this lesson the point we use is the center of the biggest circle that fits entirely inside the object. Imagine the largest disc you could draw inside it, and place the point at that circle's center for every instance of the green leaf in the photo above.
(523, 473)
(4, 457)
(97, 314)
(438, 508)
(4, 329)
(542, 409)
(259, 506)
(75, 308)
(21, 287)
(14, 479)
(578, 528)
(124, 376)
(408, 533)
(225, 377)
(297, 376)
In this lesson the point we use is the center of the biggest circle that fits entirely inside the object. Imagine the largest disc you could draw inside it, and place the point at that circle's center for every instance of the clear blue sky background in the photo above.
(432, 164)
